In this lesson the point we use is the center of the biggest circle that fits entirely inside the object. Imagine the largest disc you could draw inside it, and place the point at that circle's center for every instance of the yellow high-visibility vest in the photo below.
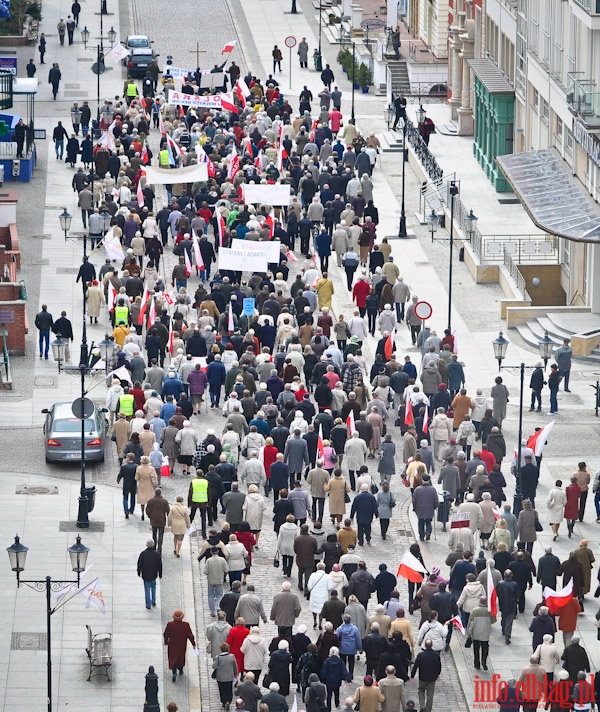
(199, 490)
(127, 404)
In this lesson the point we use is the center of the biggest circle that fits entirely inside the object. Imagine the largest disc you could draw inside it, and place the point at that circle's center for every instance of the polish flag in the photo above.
(145, 157)
(140, 194)
(197, 254)
(168, 298)
(229, 47)
(228, 101)
(555, 600)
(247, 143)
(170, 342)
(389, 346)
(320, 450)
(220, 228)
(350, 424)
(425, 427)
(408, 413)
(270, 221)
(161, 125)
(112, 297)
(457, 623)
(234, 165)
(144, 306)
(291, 256)
(188, 264)
(152, 312)
(203, 158)
(538, 440)
(230, 324)
(411, 568)
(241, 91)
(492, 596)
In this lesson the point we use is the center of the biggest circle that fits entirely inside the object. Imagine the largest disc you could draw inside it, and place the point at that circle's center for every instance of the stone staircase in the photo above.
(399, 75)
(391, 142)
(561, 325)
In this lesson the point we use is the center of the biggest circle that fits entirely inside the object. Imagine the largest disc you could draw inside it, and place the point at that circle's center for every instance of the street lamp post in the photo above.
(453, 193)
(99, 67)
(471, 225)
(402, 227)
(500, 345)
(319, 57)
(17, 554)
(432, 223)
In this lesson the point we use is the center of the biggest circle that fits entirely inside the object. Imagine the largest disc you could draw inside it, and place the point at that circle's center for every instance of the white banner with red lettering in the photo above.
(201, 102)
(276, 194)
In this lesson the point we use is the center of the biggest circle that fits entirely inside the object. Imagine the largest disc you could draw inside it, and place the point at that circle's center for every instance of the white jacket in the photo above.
(436, 632)
(470, 595)
(547, 654)
(555, 503)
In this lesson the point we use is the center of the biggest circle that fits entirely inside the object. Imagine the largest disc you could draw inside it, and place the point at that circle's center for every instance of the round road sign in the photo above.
(82, 408)
(423, 310)
(290, 41)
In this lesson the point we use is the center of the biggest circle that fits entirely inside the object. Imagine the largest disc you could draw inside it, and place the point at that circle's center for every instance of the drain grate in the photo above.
(28, 641)
(44, 381)
(35, 489)
(72, 527)
(67, 270)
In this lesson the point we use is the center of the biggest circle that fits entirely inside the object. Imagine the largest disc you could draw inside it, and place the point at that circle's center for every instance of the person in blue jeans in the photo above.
(127, 474)
(44, 323)
(149, 568)
(59, 136)
(554, 380)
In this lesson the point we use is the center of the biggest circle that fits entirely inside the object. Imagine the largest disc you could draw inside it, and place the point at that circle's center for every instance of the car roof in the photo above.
(62, 411)
(142, 51)
(137, 37)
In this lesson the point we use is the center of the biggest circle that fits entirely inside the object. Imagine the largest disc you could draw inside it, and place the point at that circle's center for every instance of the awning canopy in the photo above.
(554, 199)
(490, 76)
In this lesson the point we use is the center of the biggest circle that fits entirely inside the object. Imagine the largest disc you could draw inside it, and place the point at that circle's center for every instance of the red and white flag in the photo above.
(170, 342)
(461, 520)
(350, 424)
(241, 91)
(188, 263)
(538, 440)
(390, 346)
(197, 254)
(457, 623)
(230, 324)
(112, 297)
(220, 228)
(152, 312)
(228, 48)
(144, 306)
(145, 156)
(408, 413)
(411, 568)
(203, 158)
(555, 600)
(291, 256)
(492, 596)
(270, 221)
(168, 298)
(320, 450)
(425, 427)
(234, 164)
(140, 194)
(228, 101)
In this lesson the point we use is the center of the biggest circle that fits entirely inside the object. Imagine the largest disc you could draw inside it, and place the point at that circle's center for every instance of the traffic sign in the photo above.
(9, 64)
(290, 41)
(82, 408)
(423, 310)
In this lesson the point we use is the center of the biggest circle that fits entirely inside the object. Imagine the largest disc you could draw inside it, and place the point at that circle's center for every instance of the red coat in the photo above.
(489, 459)
(235, 638)
(269, 457)
(361, 292)
(176, 635)
(248, 540)
(573, 491)
(567, 616)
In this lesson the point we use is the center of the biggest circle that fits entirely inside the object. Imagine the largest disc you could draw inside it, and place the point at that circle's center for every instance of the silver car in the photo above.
(62, 431)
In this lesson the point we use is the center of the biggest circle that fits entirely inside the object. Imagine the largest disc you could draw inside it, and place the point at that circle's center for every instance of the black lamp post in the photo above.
(432, 223)
(17, 554)
(500, 345)
(402, 227)
(546, 349)
(471, 225)
(453, 193)
(107, 347)
(319, 57)
(99, 67)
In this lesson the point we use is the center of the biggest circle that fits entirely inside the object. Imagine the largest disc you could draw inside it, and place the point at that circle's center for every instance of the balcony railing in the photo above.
(591, 6)
(583, 97)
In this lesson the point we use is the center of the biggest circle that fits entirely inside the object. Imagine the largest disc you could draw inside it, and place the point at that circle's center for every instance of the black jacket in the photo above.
(508, 595)
(149, 565)
(44, 321)
(374, 645)
(548, 565)
(127, 474)
(428, 665)
(444, 604)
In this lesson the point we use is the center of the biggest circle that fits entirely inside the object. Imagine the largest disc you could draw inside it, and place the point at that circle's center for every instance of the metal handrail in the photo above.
(515, 273)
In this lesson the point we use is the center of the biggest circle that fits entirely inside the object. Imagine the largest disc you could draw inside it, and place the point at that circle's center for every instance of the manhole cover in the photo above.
(35, 489)
(72, 527)
(28, 641)
(44, 381)
(67, 270)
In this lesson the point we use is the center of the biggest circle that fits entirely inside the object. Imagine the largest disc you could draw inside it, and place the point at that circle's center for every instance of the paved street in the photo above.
(49, 268)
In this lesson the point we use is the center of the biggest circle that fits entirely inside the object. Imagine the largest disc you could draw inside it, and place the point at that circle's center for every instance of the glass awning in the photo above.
(554, 199)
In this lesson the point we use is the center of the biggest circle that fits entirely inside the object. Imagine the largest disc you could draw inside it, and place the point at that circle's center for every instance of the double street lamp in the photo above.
(99, 67)
(17, 554)
(500, 345)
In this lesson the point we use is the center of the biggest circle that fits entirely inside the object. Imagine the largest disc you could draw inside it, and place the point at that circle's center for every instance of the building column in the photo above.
(465, 111)
(593, 285)
(456, 78)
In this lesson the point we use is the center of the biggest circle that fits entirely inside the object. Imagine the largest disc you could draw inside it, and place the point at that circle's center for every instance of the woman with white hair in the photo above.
(489, 520)
(255, 651)
(279, 667)
(547, 656)
(333, 673)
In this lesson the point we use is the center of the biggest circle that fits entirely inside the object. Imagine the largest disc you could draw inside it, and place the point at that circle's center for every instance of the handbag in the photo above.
(346, 497)
(374, 487)
(357, 705)
(267, 680)
(276, 562)
(538, 526)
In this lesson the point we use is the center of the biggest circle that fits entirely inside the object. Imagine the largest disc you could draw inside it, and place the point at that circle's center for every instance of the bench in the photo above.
(99, 652)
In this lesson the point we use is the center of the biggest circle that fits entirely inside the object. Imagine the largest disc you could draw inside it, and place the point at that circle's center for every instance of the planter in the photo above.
(356, 86)
(365, 90)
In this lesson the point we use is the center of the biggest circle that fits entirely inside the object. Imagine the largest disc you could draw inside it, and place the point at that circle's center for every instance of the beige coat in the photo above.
(95, 299)
(121, 430)
(337, 488)
(147, 439)
(368, 698)
(147, 481)
(179, 519)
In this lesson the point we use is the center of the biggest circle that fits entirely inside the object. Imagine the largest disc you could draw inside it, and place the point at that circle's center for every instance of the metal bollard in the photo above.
(151, 688)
